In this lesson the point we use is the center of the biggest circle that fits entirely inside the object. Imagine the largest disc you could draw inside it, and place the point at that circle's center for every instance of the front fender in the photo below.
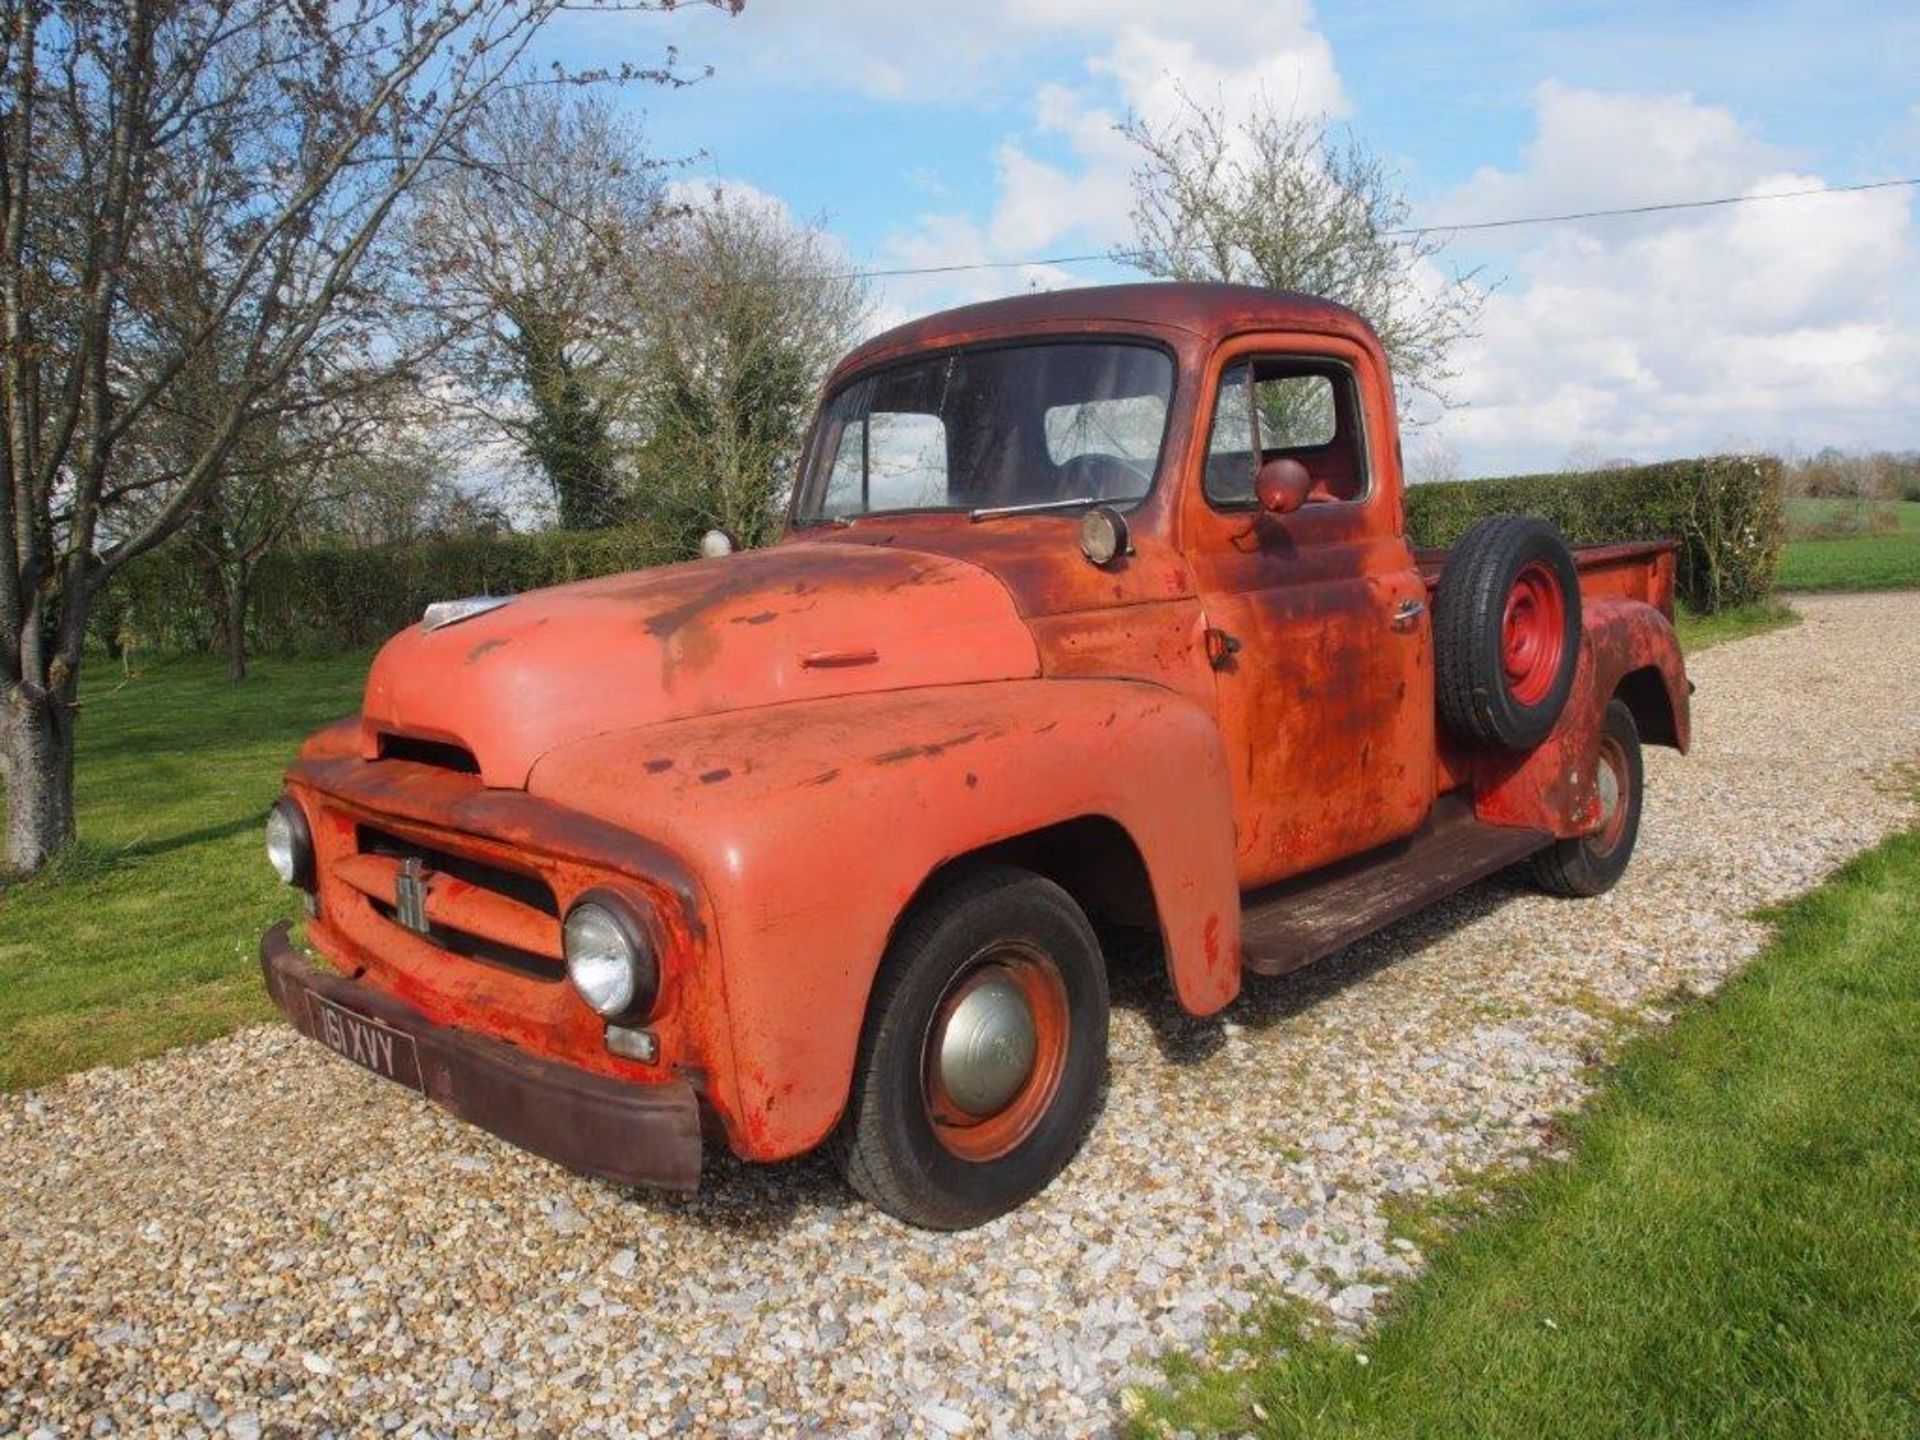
(813, 825)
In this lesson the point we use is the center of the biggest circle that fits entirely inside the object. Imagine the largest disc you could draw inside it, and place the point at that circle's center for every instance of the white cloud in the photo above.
(1778, 323)
(1063, 183)
(1594, 150)
(1791, 322)
(917, 50)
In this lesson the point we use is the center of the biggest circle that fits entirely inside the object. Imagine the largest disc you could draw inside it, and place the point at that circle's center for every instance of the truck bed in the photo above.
(1633, 570)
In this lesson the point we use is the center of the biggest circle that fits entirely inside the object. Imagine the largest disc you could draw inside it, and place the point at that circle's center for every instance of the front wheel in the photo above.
(1592, 864)
(983, 1056)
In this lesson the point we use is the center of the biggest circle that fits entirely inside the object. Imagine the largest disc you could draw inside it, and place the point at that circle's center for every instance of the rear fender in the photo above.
(813, 826)
(1553, 787)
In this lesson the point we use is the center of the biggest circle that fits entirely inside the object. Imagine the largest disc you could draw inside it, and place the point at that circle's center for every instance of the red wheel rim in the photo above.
(1032, 973)
(1533, 633)
(1615, 783)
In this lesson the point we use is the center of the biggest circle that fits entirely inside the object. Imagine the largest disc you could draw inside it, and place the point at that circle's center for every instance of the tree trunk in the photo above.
(213, 589)
(237, 624)
(36, 732)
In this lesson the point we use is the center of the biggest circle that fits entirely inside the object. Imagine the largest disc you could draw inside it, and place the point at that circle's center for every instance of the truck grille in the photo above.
(470, 907)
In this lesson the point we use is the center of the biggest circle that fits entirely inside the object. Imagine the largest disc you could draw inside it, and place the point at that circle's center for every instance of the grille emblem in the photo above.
(410, 895)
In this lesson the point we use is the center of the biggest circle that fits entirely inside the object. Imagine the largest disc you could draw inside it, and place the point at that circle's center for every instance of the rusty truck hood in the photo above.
(800, 621)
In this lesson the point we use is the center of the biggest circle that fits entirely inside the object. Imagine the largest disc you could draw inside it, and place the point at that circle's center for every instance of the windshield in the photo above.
(1054, 423)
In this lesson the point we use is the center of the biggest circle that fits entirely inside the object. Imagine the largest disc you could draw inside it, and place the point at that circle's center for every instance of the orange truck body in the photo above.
(773, 753)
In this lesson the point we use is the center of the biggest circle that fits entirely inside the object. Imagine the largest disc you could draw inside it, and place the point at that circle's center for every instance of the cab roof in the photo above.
(1208, 310)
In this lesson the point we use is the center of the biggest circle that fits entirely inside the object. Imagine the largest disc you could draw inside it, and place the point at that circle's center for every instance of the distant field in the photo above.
(1817, 560)
(1805, 515)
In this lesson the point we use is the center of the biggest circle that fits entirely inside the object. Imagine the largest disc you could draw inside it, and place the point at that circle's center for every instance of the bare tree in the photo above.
(400, 490)
(748, 312)
(1433, 462)
(279, 476)
(530, 249)
(1282, 201)
(287, 458)
(320, 120)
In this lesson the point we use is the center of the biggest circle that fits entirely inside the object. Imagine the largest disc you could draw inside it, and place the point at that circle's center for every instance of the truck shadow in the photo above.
(752, 1201)
(761, 1202)
(1137, 971)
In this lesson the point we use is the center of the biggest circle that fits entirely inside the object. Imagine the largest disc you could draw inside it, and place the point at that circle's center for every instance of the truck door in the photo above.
(1321, 637)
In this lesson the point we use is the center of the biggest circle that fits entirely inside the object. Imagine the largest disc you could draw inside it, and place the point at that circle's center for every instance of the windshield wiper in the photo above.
(989, 512)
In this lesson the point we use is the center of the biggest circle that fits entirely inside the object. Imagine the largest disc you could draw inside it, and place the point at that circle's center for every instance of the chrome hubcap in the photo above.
(986, 1052)
(1609, 788)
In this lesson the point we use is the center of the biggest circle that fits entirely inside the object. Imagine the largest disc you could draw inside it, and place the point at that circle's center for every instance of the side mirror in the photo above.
(714, 544)
(1282, 486)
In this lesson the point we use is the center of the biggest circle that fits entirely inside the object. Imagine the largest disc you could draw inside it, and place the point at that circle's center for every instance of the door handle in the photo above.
(1408, 614)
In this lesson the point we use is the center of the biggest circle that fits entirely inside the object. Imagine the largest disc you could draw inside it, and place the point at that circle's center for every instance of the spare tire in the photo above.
(1506, 632)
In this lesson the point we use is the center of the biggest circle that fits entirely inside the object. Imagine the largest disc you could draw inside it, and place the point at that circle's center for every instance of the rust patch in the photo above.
(924, 752)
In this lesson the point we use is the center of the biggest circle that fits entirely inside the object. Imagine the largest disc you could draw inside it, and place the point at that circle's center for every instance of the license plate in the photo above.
(368, 1043)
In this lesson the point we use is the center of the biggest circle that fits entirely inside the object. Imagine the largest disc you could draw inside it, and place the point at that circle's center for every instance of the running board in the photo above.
(1298, 921)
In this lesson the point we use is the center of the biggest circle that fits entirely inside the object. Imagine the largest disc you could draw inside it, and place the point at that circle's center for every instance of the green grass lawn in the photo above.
(144, 937)
(1732, 1250)
(1866, 561)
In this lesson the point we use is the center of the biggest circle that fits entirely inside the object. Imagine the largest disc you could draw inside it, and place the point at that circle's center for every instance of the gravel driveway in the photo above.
(250, 1237)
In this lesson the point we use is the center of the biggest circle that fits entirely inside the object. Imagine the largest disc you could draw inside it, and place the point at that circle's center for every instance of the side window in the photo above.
(1302, 409)
(1229, 478)
(891, 460)
(1296, 412)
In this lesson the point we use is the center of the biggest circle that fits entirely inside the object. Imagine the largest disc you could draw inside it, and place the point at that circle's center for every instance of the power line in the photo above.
(1409, 232)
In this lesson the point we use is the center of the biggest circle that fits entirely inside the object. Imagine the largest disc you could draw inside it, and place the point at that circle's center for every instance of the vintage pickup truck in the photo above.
(1095, 610)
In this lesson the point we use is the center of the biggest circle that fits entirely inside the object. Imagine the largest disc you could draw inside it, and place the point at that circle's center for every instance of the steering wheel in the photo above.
(1103, 477)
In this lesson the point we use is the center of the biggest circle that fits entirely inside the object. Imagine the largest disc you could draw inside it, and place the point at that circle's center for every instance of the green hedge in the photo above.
(328, 600)
(1726, 511)
(335, 599)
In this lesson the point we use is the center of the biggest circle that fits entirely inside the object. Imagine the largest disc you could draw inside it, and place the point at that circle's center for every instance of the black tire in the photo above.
(888, 1145)
(1593, 864)
(1478, 697)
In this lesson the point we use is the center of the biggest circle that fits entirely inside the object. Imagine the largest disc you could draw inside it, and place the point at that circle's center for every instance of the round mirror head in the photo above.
(1282, 486)
(714, 544)
(1103, 535)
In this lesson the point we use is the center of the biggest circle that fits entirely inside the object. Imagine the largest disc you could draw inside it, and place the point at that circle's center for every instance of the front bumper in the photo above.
(632, 1134)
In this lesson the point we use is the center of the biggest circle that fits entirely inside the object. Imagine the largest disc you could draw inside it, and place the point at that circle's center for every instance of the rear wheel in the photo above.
(1592, 864)
(984, 1053)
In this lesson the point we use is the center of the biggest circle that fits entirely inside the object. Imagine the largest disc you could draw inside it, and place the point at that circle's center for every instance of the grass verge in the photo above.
(1703, 632)
(1729, 1251)
(143, 937)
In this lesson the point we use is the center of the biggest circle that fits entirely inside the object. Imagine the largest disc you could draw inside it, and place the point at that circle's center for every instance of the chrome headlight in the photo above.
(290, 843)
(609, 958)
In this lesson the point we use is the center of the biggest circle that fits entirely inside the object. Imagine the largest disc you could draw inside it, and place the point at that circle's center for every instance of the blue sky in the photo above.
(939, 133)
